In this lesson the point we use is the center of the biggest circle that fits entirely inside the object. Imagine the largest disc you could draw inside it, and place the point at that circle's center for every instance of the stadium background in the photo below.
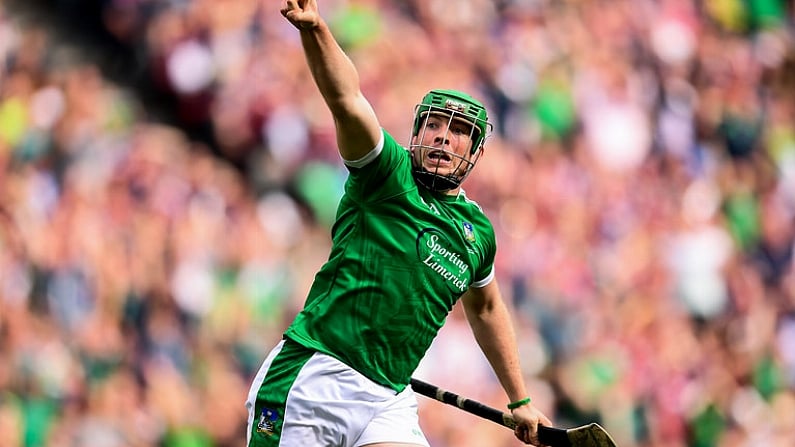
(168, 177)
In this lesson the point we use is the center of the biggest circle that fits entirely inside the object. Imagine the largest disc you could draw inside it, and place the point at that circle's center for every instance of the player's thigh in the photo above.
(394, 423)
(329, 404)
(298, 400)
(294, 402)
(257, 414)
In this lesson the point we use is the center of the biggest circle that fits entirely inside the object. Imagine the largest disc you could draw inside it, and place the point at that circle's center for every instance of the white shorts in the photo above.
(302, 398)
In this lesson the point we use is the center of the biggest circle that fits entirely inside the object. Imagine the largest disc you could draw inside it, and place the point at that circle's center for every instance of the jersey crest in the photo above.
(469, 232)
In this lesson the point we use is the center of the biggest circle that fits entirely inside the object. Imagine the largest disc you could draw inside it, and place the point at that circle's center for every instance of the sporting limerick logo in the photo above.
(437, 253)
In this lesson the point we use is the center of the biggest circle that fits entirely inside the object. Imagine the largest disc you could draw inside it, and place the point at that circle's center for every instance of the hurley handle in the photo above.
(554, 437)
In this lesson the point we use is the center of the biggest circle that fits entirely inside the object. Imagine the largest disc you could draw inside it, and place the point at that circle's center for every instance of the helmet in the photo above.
(455, 105)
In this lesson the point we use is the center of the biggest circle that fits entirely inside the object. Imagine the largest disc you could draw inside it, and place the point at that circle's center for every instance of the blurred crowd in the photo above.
(641, 180)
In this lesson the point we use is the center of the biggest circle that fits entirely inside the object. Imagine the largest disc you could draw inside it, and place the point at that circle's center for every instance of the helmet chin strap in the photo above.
(434, 180)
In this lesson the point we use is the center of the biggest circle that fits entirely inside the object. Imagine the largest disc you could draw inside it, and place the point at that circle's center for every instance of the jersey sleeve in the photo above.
(486, 280)
(383, 172)
(367, 159)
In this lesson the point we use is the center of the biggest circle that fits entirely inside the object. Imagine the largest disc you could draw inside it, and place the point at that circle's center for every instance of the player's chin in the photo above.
(444, 168)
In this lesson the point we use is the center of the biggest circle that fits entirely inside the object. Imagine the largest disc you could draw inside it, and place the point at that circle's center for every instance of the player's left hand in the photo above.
(528, 418)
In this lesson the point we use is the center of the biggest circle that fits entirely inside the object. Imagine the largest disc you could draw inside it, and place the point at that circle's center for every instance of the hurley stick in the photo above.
(591, 435)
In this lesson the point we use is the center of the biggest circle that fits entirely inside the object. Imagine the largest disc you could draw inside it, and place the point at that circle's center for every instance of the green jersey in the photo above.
(401, 257)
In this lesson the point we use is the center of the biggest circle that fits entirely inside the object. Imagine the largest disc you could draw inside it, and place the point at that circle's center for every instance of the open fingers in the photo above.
(287, 6)
(301, 13)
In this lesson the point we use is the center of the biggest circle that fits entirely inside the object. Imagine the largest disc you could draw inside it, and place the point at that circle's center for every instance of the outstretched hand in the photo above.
(302, 14)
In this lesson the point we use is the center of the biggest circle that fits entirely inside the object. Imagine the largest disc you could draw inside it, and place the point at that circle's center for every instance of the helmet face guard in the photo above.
(450, 106)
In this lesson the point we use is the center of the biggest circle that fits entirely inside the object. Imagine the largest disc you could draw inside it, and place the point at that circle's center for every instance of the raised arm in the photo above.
(357, 127)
